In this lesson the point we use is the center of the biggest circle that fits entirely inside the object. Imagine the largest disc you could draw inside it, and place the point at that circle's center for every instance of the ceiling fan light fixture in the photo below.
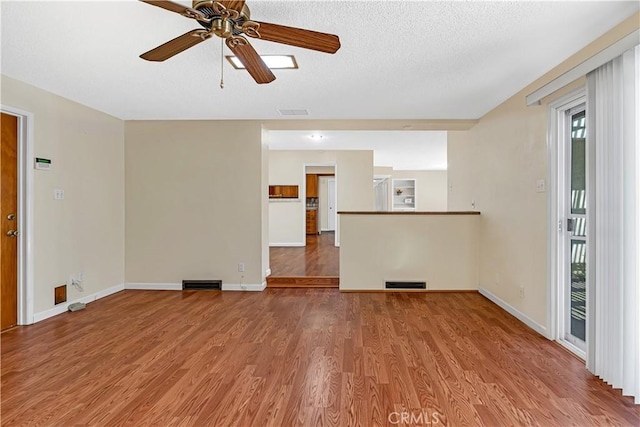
(274, 62)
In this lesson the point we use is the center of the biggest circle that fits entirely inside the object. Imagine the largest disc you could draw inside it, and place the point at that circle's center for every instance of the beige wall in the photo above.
(85, 231)
(264, 222)
(496, 165)
(321, 169)
(383, 170)
(431, 188)
(194, 195)
(354, 176)
(439, 249)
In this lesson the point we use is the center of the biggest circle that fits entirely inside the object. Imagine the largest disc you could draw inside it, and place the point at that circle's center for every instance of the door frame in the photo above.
(335, 203)
(334, 165)
(25, 212)
(556, 198)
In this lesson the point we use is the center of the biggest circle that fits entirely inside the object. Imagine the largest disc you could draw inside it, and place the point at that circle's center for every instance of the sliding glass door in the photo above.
(575, 256)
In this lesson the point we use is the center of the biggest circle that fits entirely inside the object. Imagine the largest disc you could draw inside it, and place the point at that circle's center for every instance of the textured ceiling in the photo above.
(399, 59)
(411, 150)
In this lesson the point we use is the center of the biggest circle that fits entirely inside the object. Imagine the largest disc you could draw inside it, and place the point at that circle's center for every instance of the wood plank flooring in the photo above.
(303, 282)
(319, 258)
(296, 357)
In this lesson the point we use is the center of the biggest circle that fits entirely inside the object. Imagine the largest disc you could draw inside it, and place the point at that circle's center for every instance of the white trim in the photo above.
(582, 69)
(25, 212)
(178, 286)
(287, 245)
(61, 308)
(573, 349)
(109, 291)
(249, 287)
(556, 159)
(329, 180)
(154, 286)
(514, 312)
(267, 273)
(304, 212)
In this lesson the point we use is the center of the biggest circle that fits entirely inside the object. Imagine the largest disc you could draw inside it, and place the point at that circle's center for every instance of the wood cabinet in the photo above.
(312, 185)
(283, 191)
(312, 221)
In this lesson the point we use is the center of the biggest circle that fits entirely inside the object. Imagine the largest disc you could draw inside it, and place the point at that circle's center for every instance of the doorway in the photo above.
(382, 190)
(316, 263)
(9, 222)
(569, 214)
(329, 205)
(575, 295)
(16, 221)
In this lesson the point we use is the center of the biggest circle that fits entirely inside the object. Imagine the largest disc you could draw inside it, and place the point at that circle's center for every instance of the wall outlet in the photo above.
(541, 186)
(521, 291)
(241, 267)
(76, 282)
(473, 204)
(58, 194)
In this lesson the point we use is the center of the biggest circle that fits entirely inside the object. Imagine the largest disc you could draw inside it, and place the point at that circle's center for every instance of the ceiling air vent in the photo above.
(293, 112)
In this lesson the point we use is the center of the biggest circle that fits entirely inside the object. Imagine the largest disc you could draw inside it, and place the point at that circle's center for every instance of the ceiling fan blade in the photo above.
(298, 37)
(177, 8)
(236, 5)
(175, 46)
(250, 59)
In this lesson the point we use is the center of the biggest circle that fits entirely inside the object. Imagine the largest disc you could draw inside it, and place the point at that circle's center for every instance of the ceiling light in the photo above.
(274, 62)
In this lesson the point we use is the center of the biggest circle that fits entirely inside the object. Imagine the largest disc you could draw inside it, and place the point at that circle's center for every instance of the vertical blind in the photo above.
(613, 305)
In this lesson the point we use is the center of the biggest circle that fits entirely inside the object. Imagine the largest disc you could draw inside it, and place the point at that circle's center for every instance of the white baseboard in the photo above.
(542, 330)
(178, 286)
(109, 291)
(154, 286)
(287, 245)
(61, 308)
(244, 287)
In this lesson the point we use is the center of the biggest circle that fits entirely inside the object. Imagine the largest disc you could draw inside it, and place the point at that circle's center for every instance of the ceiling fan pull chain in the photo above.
(221, 63)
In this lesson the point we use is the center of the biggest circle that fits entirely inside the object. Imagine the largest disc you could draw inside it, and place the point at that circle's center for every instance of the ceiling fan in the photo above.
(231, 20)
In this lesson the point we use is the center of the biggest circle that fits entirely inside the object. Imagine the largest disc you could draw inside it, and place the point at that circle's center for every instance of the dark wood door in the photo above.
(9, 222)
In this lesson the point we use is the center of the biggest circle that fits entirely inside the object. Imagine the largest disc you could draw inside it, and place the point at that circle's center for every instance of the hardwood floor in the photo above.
(319, 258)
(304, 357)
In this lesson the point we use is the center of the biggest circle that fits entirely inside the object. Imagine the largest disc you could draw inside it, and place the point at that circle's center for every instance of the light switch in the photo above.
(58, 194)
(541, 186)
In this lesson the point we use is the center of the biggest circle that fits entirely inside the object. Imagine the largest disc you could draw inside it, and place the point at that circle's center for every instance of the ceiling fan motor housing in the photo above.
(222, 27)
(223, 24)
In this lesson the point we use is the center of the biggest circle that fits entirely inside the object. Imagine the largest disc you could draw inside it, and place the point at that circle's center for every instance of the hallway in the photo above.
(319, 258)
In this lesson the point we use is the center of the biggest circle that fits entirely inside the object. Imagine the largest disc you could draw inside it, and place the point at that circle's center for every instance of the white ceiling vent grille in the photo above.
(293, 112)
